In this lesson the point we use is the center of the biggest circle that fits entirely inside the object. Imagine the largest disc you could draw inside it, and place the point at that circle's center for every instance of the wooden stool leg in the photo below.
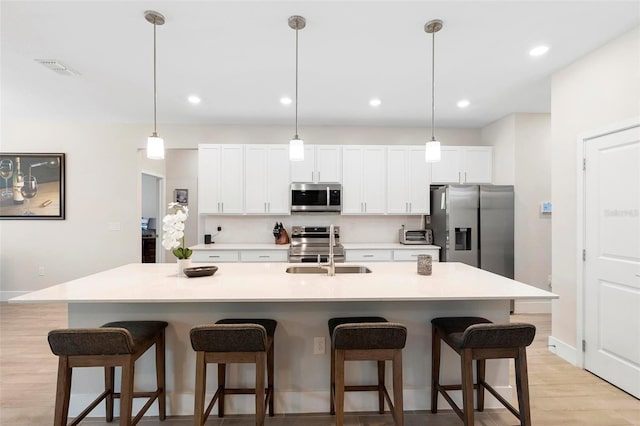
(222, 382)
(522, 386)
(270, 374)
(332, 385)
(435, 369)
(381, 387)
(260, 406)
(126, 391)
(160, 376)
(398, 405)
(481, 365)
(201, 383)
(63, 392)
(466, 361)
(109, 373)
(339, 392)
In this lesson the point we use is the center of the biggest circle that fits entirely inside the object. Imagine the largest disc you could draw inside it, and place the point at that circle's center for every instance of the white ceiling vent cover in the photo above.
(57, 66)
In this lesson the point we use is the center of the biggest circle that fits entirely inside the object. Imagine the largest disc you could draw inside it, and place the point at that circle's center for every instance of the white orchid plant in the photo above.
(173, 227)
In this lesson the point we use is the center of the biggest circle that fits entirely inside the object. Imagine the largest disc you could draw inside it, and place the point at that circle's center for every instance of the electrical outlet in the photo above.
(318, 345)
(41, 271)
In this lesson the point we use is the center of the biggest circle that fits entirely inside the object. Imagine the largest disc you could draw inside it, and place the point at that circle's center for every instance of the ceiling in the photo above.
(239, 57)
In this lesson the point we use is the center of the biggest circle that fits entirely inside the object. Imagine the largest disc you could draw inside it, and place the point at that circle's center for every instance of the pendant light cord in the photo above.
(433, 95)
(296, 83)
(155, 95)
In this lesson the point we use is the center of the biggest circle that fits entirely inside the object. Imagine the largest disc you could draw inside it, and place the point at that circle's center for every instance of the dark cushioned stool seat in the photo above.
(118, 343)
(366, 338)
(234, 340)
(475, 338)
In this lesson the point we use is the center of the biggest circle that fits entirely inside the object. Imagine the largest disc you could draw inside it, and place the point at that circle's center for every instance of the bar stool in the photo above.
(234, 341)
(115, 344)
(479, 339)
(366, 338)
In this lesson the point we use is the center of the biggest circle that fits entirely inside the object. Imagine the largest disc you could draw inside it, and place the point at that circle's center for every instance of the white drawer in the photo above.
(212, 256)
(368, 255)
(409, 255)
(263, 256)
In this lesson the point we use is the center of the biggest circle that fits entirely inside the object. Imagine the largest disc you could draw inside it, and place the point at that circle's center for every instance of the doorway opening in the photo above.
(152, 200)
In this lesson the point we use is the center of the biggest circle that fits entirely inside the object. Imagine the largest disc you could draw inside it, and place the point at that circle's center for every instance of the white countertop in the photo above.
(268, 282)
(347, 246)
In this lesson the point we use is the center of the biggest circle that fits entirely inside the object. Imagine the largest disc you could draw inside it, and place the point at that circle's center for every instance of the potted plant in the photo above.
(173, 236)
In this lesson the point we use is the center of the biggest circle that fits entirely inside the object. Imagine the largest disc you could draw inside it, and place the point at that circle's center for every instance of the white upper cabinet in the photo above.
(363, 179)
(267, 179)
(220, 179)
(408, 180)
(463, 164)
(322, 163)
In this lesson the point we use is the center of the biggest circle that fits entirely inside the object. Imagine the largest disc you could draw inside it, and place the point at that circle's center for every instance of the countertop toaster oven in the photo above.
(416, 236)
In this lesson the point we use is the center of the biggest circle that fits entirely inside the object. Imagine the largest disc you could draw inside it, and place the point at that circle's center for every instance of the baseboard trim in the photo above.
(6, 295)
(532, 307)
(563, 350)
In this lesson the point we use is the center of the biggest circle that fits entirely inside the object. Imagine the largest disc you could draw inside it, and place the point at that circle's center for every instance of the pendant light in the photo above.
(155, 144)
(296, 145)
(432, 148)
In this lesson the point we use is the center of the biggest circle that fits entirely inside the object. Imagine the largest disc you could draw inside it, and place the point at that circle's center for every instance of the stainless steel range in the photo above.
(309, 242)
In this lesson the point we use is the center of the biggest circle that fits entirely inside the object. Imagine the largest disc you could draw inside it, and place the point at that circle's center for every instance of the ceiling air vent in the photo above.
(57, 66)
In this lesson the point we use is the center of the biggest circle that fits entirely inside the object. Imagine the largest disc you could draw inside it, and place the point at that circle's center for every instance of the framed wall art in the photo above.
(32, 186)
(181, 196)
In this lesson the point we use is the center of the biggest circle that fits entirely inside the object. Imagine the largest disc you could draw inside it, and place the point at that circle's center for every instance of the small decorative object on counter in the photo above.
(173, 237)
(281, 235)
(424, 264)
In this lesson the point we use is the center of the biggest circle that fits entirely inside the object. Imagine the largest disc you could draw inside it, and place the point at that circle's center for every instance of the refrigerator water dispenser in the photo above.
(463, 239)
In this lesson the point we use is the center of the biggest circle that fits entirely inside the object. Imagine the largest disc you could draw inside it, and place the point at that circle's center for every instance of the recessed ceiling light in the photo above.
(286, 100)
(194, 99)
(463, 103)
(375, 102)
(539, 50)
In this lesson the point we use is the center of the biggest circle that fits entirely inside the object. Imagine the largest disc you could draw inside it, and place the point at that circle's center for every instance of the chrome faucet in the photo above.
(331, 263)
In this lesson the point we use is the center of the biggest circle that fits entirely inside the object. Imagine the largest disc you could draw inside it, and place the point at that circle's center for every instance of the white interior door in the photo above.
(612, 267)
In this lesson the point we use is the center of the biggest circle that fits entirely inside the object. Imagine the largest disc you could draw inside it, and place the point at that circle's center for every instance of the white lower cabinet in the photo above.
(368, 255)
(412, 255)
(210, 256)
(263, 256)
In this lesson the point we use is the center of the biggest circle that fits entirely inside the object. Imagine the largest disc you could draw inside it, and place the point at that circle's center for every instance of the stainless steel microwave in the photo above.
(316, 197)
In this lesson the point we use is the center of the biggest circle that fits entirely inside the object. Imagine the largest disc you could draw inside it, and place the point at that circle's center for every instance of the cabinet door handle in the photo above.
(311, 176)
(264, 257)
(459, 178)
(367, 255)
(465, 177)
(365, 207)
(222, 207)
(269, 206)
(213, 256)
(410, 207)
(318, 176)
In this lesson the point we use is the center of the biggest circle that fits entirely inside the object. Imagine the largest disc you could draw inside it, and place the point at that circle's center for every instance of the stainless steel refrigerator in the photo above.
(474, 225)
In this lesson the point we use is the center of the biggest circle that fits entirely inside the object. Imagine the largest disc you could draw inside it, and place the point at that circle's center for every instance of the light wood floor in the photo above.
(560, 393)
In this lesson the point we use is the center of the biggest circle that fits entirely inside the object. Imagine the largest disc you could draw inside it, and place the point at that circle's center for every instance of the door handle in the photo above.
(367, 255)
(459, 178)
(465, 177)
(318, 176)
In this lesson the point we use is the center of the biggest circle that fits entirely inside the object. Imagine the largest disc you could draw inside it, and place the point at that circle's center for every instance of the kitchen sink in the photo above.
(340, 269)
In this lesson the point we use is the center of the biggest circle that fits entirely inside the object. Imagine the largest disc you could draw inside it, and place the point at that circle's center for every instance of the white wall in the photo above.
(522, 158)
(599, 89)
(103, 187)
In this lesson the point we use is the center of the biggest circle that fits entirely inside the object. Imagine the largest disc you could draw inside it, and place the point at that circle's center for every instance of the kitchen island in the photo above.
(302, 304)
